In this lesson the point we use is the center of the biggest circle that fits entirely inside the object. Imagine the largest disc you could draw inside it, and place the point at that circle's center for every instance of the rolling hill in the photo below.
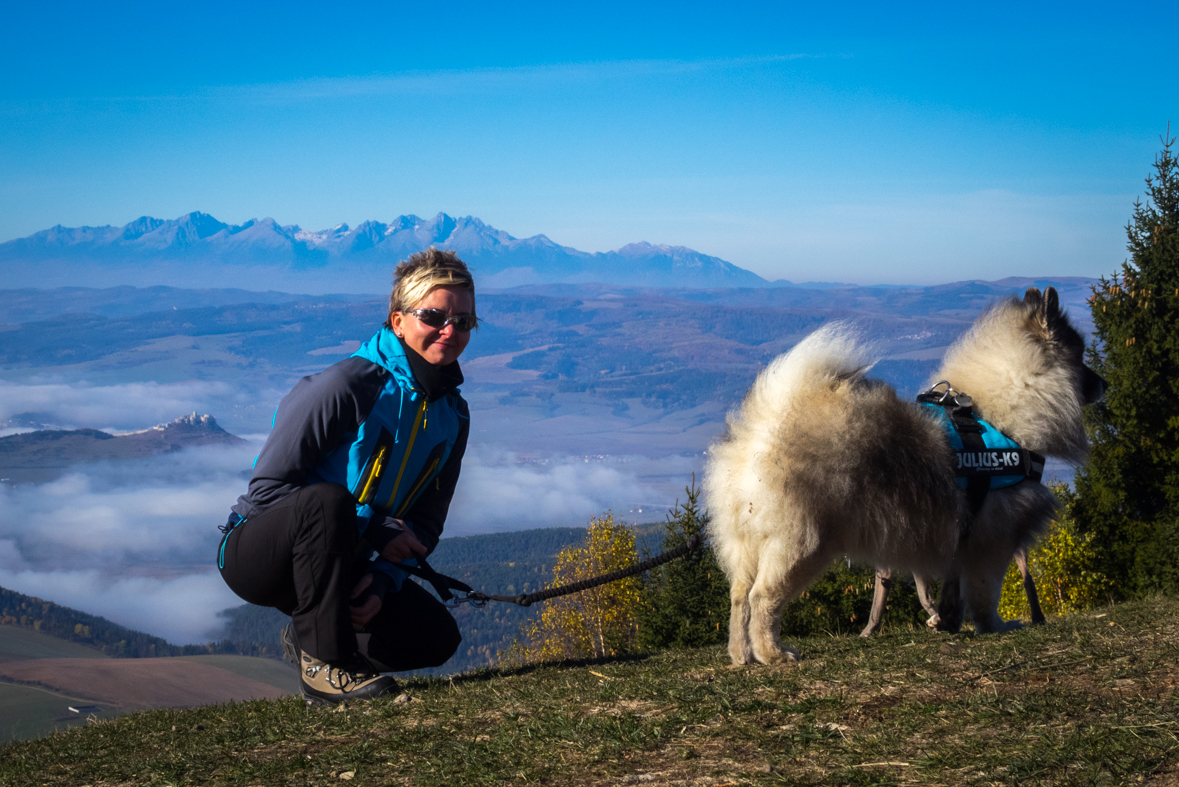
(48, 683)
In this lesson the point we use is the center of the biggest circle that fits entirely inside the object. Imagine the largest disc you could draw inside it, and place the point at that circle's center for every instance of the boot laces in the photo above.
(338, 677)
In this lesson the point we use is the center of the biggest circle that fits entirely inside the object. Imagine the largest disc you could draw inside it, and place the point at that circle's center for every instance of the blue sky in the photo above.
(844, 143)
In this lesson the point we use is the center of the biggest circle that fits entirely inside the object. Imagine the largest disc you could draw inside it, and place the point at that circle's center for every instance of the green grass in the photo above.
(30, 712)
(280, 674)
(1086, 700)
(21, 644)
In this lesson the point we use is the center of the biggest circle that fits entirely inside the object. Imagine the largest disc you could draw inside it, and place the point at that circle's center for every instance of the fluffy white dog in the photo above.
(821, 462)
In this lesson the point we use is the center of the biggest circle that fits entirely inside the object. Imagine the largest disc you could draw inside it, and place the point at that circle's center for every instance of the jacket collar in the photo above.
(386, 350)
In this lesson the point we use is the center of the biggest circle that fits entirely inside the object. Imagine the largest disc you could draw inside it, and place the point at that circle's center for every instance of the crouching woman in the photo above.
(356, 477)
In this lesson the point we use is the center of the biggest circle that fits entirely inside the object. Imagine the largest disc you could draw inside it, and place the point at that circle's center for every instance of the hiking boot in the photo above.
(326, 684)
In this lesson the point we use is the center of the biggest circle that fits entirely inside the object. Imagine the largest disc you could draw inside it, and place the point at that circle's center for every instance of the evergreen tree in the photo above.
(1128, 493)
(687, 602)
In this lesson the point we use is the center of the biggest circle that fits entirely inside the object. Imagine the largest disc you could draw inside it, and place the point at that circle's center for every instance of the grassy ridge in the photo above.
(1089, 699)
(21, 644)
(31, 712)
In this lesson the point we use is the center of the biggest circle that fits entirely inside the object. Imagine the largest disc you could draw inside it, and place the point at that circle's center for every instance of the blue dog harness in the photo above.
(985, 458)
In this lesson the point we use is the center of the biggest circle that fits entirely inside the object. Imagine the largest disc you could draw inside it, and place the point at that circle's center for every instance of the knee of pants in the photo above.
(449, 640)
(432, 647)
(333, 497)
(444, 641)
(335, 501)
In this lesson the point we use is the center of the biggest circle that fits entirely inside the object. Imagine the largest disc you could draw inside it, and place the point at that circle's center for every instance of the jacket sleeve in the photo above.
(427, 515)
(318, 415)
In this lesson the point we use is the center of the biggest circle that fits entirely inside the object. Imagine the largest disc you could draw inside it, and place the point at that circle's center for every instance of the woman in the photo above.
(356, 476)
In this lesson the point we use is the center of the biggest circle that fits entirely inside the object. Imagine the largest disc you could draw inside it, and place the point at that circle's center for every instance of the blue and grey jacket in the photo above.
(385, 424)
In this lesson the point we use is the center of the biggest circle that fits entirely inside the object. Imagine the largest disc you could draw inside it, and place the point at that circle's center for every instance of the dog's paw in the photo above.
(779, 656)
(997, 626)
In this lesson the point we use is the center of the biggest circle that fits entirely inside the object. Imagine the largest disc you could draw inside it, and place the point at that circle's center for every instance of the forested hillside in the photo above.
(17, 609)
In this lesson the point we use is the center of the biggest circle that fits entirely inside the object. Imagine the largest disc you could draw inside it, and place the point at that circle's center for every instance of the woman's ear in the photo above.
(395, 319)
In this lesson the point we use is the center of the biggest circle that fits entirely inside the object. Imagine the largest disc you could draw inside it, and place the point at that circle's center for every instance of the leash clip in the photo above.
(474, 598)
(960, 399)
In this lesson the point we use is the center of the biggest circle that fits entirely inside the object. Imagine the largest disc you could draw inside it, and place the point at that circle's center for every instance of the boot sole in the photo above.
(318, 701)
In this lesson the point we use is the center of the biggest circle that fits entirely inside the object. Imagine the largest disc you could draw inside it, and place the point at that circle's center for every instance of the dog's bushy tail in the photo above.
(829, 355)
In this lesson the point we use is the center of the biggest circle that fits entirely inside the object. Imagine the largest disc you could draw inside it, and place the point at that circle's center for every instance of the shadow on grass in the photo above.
(485, 674)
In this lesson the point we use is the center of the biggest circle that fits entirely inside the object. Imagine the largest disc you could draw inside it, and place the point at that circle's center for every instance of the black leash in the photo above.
(443, 584)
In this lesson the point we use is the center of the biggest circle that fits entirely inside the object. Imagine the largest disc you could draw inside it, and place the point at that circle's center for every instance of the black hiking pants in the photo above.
(299, 556)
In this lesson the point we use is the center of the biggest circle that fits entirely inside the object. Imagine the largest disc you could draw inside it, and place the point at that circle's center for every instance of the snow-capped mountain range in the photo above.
(197, 249)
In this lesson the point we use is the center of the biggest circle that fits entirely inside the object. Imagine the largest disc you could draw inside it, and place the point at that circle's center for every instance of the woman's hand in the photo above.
(405, 547)
(372, 605)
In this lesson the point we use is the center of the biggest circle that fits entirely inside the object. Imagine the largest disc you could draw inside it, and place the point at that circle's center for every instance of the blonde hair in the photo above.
(414, 278)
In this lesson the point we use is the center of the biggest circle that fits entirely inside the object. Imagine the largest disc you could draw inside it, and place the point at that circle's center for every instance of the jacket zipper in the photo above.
(374, 475)
(426, 478)
(408, 450)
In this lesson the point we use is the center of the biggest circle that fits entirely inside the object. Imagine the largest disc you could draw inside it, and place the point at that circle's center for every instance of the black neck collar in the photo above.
(435, 381)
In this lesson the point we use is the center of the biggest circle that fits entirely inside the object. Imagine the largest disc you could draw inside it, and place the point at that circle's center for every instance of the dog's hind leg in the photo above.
(740, 649)
(879, 599)
(926, 603)
(739, 559)
(781, 577)
(949, 607)
(983, 574)
(1029, 586)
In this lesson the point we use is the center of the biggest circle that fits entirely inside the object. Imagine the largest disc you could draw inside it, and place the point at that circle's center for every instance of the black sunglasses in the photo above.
(436, 318)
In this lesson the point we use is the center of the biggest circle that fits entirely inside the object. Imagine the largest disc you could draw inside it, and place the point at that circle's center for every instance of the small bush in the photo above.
(1064, 565)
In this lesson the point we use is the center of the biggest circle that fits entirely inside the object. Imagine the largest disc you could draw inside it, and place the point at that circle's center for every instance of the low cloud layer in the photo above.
(497, 494)
(132, 406)
(135, 541)
(131, 541)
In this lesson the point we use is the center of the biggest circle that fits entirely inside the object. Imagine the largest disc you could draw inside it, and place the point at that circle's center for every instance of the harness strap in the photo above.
(442, 583)
(978, 463)
(966, 422)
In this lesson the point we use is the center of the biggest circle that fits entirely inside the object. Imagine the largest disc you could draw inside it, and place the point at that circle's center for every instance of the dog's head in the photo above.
(1062, 341)
(1023, 363)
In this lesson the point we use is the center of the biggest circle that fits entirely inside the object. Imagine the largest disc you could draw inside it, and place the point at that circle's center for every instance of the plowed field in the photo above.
(139, 683)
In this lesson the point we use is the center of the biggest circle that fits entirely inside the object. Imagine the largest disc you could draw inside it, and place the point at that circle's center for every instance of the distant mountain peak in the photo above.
(193, 423)
(195, 248)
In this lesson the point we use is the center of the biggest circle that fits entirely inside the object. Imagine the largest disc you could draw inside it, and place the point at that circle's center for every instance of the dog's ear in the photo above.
(1050, 313)
(1051, 303)
(1032, 298)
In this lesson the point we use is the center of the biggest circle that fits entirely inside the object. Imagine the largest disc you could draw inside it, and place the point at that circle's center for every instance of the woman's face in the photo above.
(439, 346)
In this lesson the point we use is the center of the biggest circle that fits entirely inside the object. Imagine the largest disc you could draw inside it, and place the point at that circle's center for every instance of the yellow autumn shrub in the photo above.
(1064, 565)
(594, 623)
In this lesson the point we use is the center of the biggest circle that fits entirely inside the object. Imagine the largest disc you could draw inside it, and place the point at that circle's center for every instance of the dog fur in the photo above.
(820, 462)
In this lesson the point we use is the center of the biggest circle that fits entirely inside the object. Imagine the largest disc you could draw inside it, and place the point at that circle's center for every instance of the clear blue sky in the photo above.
(849, 142)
